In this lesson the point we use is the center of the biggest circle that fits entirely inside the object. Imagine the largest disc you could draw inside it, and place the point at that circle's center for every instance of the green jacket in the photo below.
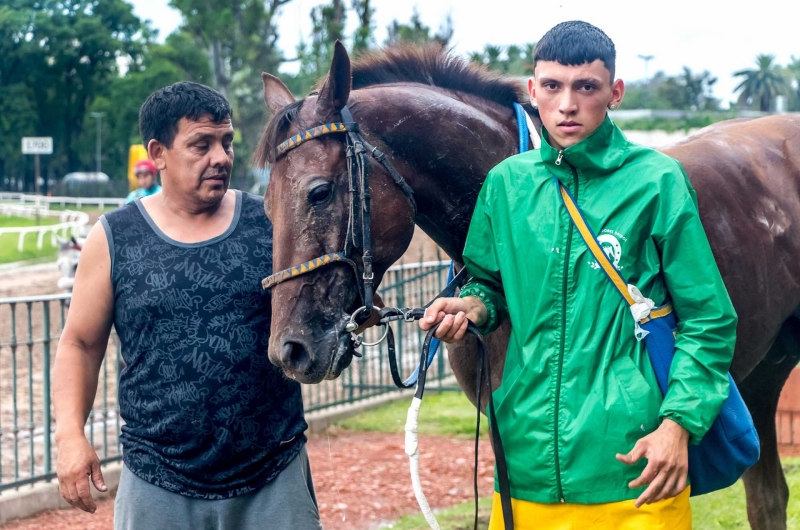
(577, 386)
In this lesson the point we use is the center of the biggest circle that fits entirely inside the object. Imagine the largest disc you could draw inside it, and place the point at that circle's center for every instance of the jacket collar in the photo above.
(600, 153)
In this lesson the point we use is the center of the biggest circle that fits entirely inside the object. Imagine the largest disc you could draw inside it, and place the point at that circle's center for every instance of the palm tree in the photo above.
(793, 78)
(763, 83)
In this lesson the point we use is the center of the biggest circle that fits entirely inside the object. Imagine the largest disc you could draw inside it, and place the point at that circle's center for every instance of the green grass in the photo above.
(9, 252)
(8, 242)
(442, 413)
(459, 517)
(726, 509)
(13, 221)
(85, 209)
(451, 414)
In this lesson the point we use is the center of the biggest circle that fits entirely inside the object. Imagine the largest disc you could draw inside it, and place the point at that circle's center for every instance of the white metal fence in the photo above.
(78, 202)
(69, 223)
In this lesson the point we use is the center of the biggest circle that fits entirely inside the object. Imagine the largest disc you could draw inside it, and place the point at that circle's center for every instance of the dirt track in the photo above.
(361, 480)
(30, 281)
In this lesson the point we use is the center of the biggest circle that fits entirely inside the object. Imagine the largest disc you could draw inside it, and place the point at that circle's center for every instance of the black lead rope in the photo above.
(390, 314)
(497, 444)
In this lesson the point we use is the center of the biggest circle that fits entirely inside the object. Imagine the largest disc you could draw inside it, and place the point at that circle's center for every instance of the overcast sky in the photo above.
(701, 34)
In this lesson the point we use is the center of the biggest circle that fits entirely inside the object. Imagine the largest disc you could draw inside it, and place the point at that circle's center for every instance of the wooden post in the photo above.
(38, 171)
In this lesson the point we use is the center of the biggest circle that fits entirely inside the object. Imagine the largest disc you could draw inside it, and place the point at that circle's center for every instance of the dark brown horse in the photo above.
(444, 124)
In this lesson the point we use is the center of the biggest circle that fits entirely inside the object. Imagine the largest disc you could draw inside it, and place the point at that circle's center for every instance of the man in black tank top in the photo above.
(213, 434)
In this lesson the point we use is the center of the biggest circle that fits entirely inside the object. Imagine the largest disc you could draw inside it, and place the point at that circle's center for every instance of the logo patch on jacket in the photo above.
(610, 242)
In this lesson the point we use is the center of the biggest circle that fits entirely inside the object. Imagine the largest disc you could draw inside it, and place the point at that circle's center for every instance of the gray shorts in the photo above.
(287, 502)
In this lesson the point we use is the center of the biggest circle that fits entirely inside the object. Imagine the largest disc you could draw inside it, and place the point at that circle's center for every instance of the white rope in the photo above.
(640, 310)
(412, 450)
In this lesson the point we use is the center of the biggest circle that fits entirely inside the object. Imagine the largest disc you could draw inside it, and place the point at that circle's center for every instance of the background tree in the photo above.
(240, 39)
(415, 31)
(363, 37)
(314, 55)
(65, 53)
(18, 116)
(689, 91)
(792, 73)
(511, 60)
(762, 84)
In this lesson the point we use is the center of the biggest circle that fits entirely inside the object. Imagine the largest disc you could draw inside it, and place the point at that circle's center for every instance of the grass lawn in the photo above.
(13, 221)
(450, 414)
(93, 208)
(442, 413)
(8, 242)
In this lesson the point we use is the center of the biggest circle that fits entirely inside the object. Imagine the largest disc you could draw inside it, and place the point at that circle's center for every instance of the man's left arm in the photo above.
(706, 335)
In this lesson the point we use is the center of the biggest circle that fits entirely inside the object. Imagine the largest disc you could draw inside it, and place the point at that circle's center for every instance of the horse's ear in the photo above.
(336, 90)
(276, 94)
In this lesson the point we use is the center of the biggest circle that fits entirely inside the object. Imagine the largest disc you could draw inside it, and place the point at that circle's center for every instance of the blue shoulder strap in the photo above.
(522, 127)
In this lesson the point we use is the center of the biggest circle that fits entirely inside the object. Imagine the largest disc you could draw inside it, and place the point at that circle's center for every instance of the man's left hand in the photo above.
(667, 454)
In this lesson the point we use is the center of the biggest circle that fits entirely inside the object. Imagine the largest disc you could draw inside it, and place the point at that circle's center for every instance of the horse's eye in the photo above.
(320, 194)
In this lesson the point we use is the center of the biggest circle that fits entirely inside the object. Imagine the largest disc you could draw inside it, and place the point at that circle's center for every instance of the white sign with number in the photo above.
(40, 145)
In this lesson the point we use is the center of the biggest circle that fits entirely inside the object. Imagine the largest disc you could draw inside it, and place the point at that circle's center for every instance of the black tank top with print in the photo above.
(206, 414)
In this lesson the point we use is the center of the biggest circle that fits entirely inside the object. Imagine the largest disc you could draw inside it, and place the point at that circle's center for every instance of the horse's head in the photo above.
(69, 252)
(309, 203)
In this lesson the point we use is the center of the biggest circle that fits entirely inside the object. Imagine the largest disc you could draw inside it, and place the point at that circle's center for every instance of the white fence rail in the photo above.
(79, 202)
(69, 223)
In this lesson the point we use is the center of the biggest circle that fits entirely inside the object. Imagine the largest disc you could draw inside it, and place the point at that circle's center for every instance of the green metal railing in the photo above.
(31, 327)
(29, 331)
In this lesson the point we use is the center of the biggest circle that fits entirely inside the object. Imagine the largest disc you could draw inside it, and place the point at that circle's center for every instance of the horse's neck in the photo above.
(445, 147)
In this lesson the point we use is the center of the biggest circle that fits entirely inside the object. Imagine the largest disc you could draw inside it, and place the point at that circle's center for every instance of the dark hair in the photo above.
(161, 112)
(574, 43)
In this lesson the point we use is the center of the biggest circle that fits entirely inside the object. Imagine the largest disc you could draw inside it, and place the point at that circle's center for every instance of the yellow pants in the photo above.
(669, 514)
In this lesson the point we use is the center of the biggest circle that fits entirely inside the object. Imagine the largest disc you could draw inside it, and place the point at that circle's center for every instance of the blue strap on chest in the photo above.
(522, 127)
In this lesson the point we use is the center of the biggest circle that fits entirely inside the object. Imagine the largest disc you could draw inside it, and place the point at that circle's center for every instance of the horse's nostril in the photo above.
(295, 357)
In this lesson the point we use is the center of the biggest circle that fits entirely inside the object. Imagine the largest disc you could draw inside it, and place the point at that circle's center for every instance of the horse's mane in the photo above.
(429, 65)
(435, 66)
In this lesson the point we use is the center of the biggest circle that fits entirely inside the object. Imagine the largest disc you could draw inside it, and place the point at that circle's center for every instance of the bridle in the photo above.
(358, 224)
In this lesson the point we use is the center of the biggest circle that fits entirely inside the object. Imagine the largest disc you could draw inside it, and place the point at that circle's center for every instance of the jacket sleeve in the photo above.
(480, 258)
(706, 335)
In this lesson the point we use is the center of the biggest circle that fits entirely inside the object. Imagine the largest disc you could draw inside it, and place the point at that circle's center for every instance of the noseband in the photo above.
(358, 224)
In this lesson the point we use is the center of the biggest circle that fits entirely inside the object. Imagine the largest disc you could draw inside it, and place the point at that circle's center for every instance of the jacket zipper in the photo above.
(560, 156)
(563, 330)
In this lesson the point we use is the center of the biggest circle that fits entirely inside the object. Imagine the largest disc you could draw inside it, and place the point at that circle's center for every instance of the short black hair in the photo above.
(161, 112)
(574, 43)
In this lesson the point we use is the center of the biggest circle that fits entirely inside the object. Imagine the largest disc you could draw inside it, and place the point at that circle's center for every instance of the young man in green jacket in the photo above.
(589, 438)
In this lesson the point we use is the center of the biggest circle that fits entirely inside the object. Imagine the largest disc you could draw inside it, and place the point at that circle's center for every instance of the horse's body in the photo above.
(444, 139)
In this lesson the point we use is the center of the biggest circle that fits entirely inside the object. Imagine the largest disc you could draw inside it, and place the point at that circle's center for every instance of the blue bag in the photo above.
(731, 445)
